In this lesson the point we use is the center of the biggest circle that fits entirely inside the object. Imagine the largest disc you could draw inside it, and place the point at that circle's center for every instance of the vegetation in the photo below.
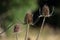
(12, 10)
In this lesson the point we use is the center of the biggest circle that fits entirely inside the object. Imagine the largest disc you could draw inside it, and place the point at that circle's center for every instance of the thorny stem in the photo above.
(16, 36)
(41, 29)
(27, 31)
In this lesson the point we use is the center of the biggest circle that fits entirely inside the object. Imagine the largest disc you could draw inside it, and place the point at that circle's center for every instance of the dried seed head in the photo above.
(16, 28)
(28, 38)
(45, 10)
(28, 17)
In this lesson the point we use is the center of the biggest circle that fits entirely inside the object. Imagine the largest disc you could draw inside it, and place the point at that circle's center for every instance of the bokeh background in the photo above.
(13, 11)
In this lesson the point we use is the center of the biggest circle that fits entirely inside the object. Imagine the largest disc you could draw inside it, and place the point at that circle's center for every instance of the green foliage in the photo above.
(17, 10)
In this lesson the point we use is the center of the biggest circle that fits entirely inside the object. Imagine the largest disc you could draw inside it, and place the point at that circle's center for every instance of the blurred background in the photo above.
(13, 11)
